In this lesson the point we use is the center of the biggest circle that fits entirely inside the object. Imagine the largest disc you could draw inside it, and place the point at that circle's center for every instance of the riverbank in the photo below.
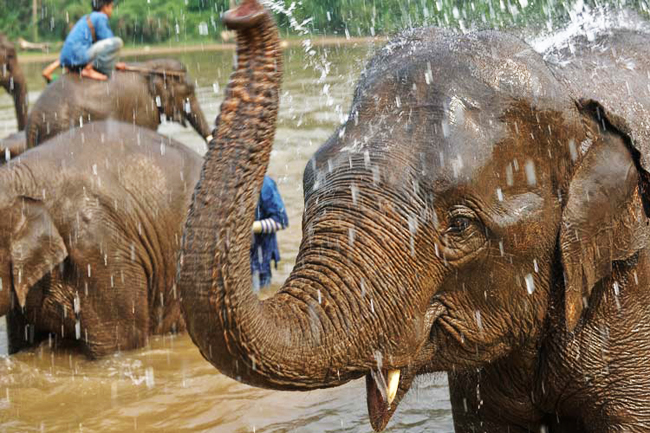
(223, 46)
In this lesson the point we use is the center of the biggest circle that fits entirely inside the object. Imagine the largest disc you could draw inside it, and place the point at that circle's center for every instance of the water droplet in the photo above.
(531, 178)
(149, 378)
(479, 321)
(509, 176)
(530, 283)
(354, 190)
(572, 150)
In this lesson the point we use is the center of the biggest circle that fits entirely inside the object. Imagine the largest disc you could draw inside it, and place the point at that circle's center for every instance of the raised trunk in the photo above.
(289, 341)
(197, 119)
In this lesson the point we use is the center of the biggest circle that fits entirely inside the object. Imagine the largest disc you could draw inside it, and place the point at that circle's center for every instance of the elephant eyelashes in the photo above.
(460, 219)
(458, 224)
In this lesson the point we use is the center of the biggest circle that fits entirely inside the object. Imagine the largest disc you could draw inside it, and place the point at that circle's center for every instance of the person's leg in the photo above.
(265, 279)
(89, 72)
(103, 54)
(49, 70)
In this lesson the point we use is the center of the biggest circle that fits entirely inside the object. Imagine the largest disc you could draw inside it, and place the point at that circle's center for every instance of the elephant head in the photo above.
(30, 248)
(439, 219)
(13, 80)
(175, 95)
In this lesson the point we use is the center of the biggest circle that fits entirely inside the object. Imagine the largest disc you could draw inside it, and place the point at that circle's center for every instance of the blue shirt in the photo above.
(80, 39)
(265, 245)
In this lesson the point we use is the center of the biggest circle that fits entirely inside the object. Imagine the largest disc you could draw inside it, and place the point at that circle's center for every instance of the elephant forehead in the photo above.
(464, 149)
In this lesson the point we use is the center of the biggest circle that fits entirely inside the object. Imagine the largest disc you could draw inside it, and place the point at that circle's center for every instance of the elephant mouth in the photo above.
(385, 388)
(384, 391)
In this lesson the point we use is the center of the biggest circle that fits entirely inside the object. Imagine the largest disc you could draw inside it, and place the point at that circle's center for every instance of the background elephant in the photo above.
(91, 229)
(474, 215)
(133, 97)
(13, 80)
(12, 146)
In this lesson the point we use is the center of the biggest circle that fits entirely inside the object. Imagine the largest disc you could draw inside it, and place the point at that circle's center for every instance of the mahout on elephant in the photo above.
(13, 80)
(141, 95)
(481, 212)
(90, 235)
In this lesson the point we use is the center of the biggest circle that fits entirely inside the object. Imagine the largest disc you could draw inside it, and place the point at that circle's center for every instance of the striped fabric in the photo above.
(269, 225)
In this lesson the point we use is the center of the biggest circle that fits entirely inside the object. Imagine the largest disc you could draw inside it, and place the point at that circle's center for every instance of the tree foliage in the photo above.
(158, 21)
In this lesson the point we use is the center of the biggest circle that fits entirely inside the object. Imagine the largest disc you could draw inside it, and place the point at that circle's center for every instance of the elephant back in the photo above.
(68, 102)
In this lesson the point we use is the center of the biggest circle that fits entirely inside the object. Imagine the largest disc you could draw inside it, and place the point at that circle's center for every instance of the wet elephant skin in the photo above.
(89, 238)
(12, 146)
(134, 97)
(477, 214)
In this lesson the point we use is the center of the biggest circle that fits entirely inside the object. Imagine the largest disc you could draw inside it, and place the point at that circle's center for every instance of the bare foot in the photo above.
(120, 66)
(90, 72)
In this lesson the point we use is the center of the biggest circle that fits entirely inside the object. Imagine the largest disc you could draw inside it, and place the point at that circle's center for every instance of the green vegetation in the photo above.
(166, 21)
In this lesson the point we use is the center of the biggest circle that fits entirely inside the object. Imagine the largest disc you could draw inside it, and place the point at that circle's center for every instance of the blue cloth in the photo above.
(80, 39)
(265, 245)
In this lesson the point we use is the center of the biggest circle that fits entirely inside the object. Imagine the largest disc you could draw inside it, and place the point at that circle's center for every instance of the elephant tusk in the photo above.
(393, 382)
(209, 138)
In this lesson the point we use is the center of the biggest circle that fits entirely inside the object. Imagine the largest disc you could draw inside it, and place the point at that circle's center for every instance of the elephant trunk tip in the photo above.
(248, 14)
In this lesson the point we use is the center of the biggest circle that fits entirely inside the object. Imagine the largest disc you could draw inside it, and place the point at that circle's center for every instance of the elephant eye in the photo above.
(459, 224)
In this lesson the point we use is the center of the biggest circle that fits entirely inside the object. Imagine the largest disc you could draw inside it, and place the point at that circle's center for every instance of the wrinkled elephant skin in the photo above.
(133, 97)
(90, 231)
(476, 214)
(13, 80)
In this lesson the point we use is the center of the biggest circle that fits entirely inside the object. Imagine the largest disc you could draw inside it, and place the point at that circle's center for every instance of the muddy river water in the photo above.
(168, 386)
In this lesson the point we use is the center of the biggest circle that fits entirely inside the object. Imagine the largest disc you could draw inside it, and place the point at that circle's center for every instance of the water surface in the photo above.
(168, 386)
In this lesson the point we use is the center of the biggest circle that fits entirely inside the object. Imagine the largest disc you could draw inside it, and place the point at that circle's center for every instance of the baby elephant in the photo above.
(90, 227)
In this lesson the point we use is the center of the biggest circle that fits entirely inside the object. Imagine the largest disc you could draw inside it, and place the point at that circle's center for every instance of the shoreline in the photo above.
(223, 46)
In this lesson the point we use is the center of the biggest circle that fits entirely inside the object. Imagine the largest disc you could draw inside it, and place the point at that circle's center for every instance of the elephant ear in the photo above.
(602, 221)
(163, 88)
(36, 246)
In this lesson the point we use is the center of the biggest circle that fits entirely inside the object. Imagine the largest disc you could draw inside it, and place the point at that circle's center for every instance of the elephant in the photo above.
(140, 96)
(13, 80)
(482, 212)
(12, 146)
(90, 238)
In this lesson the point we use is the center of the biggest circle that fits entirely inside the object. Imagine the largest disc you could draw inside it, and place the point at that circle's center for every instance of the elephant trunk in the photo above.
(17, 87)
(297, 339)
(195, 116)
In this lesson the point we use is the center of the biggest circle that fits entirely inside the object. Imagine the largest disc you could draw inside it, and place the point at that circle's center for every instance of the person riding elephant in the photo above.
(482, 212)
(91, 48)
(89, 244)
(13, 80)
(141, 95)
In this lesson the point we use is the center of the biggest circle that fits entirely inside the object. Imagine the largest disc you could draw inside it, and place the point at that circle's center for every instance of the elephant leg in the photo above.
(476, 408)
(114, 314)
(22, 334)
